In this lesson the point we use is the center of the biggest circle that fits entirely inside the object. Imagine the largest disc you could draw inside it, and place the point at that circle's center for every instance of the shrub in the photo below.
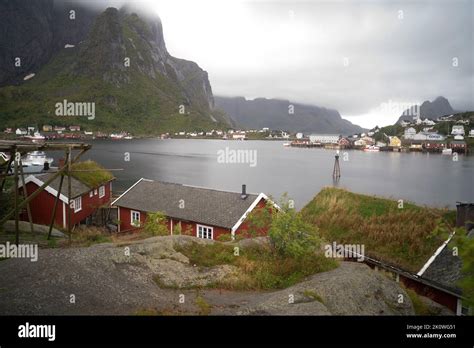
(156, 224)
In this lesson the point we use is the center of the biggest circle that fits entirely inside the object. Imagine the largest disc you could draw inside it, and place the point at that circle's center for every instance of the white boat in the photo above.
(286, 144)
(34, 161)
(447, 152)
(35, 136)
(372, 148)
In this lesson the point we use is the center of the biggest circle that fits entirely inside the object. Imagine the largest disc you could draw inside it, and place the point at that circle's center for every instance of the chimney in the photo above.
(243, 195)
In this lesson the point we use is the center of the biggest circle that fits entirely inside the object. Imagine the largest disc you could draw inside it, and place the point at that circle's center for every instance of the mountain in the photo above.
(274, 114)
(116, 59)
(431, 110)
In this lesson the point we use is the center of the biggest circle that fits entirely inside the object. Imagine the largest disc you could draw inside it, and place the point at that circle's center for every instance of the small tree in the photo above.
(177, 229)
(156, 224)
(290, 236)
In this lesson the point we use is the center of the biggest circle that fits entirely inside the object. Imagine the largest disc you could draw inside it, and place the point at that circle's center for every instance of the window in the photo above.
(135, 218)
(91, 194)
(95, 191)
(205, 232)
(101, 191)
(77, 204)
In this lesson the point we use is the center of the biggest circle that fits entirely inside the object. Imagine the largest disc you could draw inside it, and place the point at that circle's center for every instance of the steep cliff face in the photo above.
(121, 63)
(35, 30)
(275, 114)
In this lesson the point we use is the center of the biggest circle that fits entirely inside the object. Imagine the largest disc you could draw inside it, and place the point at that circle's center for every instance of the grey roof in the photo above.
(77, 187)
(446, 269)
(203, 205)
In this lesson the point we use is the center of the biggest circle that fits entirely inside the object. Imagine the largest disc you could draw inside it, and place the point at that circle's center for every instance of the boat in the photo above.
(286, 144)
(34, 161)
(447, 152)
(36, 136)
(371, 148)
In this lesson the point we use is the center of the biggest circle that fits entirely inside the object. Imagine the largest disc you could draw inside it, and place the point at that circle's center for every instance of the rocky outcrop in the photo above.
(351, 289)
(151, 273)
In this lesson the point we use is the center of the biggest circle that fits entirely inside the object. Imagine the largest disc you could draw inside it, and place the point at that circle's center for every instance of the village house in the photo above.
(471, 133)
(8, 131)
(409, 133)
(395, 142)
(324, 138)
(201, 212)
(47, 128)
(59, 129)
(75, 128)
(239, 136)
(458, 146)
(344, 143)
(85, 200)
(457, 130)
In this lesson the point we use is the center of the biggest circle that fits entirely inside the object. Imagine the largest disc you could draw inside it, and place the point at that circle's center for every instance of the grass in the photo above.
(420, 307)
(91, 173)
(85, 236)
(204, 307)
(403, 237)
(257, 268)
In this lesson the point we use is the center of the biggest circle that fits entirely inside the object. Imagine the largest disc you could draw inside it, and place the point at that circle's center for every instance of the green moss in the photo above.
(91, 173)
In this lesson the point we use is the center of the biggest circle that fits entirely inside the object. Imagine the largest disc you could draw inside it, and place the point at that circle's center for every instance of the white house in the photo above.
(324, 138)
(404, 123)
(409, 133)
(457, 130)
(21, 131)
(299, 135)
(458, 137)
(428, 122)
(471, 133)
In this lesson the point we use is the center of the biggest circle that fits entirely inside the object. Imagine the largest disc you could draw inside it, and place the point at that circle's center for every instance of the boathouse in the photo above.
(201, 212)
(86, 199)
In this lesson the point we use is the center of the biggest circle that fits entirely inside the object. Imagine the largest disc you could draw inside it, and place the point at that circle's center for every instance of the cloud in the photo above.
(348, 55)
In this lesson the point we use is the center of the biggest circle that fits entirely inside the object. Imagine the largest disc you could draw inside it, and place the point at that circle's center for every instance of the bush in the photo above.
(290, 235)
(156, 224)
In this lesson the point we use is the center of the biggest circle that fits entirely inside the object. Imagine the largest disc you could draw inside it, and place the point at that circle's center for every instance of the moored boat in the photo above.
(372, 148)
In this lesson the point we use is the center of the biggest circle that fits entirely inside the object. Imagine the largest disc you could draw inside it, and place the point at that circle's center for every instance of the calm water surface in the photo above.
(427, 179)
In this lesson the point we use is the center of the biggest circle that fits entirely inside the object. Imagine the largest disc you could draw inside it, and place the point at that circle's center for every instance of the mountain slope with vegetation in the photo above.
(124, 68)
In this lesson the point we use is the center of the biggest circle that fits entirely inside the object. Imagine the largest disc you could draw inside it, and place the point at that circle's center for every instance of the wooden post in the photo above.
(53, 216)
(69, 192)
(17, 210)
(25, 196)
(336, 173)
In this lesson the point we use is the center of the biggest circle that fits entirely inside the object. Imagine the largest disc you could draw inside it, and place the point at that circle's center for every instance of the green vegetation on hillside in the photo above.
(405, 237)
(139, 98)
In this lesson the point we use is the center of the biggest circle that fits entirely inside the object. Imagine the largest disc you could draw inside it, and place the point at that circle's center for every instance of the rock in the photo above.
(351, 289)
(24, 226)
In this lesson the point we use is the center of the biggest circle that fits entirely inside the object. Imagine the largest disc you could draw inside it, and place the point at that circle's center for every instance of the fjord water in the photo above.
(426, 179)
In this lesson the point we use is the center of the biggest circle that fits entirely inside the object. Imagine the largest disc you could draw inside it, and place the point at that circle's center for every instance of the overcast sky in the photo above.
(348, 55)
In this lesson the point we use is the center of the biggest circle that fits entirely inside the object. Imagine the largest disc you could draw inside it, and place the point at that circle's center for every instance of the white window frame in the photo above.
(132, 220)
(95, 192)
(101, 191)
(91, 194)
(209, 230)
(77, 203)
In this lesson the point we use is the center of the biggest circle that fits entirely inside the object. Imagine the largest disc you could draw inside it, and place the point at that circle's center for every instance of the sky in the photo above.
(352, 56)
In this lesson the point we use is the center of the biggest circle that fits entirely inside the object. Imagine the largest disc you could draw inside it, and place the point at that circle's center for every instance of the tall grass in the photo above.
(405, 237)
